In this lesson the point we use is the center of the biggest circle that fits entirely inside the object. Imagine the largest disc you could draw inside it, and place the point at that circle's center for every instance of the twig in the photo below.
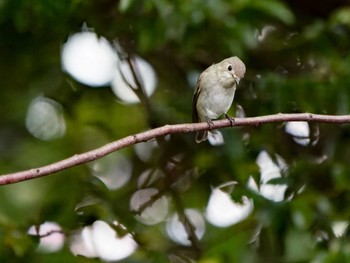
(49, 233)
(190, 229)
(161, 131)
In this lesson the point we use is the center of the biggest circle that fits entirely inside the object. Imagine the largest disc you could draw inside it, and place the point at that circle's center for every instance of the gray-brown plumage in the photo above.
(214, 92)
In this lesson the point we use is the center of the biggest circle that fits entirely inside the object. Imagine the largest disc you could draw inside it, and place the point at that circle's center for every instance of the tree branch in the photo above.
(161, 131)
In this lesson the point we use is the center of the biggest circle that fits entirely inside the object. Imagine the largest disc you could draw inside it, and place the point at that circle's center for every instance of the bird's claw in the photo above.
(232, 120)
(210, 123)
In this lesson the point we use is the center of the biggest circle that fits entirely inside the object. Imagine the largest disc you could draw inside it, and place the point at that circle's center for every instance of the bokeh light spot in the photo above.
(45, 119)
(89, 59)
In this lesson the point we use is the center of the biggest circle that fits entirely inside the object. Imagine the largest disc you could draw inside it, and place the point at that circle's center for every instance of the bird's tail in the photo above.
(214, 136)
(201, 136)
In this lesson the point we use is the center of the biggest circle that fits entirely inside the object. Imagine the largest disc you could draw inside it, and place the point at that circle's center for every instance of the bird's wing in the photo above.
(195, 117)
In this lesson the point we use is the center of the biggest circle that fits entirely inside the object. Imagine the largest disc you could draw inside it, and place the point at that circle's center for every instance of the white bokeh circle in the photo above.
(124, 76)
(89, 59)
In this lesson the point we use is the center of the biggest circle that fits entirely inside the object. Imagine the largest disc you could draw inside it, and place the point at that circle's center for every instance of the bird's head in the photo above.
(232, 69)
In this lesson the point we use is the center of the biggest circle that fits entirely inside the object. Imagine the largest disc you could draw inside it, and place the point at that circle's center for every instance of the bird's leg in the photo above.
(232, 120)
(209, 121)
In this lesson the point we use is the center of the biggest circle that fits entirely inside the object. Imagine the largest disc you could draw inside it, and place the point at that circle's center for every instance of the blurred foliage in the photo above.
(298, 60)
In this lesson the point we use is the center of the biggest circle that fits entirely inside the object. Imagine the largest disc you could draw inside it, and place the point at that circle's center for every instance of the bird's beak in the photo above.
(237, 79)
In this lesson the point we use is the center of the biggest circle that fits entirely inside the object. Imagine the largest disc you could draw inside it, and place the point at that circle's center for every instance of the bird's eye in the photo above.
(229, 67)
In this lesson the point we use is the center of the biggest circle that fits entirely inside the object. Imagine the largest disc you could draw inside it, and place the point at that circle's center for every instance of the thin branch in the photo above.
(190, 229)
(49, 233)
(92, 155)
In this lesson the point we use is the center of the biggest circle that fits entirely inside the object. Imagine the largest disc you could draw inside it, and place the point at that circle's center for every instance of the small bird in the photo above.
(214, 92)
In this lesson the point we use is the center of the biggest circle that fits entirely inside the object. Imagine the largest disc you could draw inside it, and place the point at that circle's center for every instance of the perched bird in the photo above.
(214, 92)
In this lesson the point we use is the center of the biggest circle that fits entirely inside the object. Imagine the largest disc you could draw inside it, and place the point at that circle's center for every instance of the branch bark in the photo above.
(92, 155)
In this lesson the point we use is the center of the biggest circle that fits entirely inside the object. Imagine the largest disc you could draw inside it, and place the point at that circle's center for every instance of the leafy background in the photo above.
(298, 60)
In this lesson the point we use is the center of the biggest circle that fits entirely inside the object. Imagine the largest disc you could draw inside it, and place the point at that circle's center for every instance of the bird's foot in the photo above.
(210, 124)
(232, 120)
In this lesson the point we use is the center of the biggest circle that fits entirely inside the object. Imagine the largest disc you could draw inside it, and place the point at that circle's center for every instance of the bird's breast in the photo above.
(218, 101)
